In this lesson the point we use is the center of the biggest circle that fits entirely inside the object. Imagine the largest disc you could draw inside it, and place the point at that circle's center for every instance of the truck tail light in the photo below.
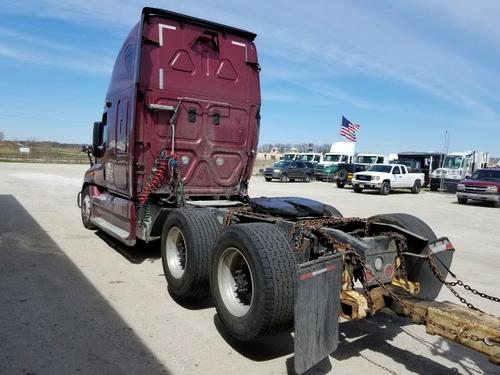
(368, 274)
(389, 271)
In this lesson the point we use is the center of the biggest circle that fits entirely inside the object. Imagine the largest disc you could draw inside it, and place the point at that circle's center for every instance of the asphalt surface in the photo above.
(75, 301)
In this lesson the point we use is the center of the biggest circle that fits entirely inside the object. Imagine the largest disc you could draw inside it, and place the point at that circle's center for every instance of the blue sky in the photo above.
(406, 71)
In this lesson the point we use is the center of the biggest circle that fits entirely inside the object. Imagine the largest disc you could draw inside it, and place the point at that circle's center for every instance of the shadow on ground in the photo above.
(368, 339)
(52, 320)
(136, 254)
(259, 350)
(376, 335)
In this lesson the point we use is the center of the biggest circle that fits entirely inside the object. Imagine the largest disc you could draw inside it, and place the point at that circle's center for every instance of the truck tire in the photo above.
(418, 269)
(268, 179)
(462, 200)
(259, 259)
(385, 188)
(86, 209)
(417, 186)
(188, 237)
(307, 178)
(357, 189)
(284, 177)
(342, 178)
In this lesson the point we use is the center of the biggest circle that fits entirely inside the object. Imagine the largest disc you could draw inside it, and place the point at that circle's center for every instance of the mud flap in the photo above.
(317, 307)
(441, 252)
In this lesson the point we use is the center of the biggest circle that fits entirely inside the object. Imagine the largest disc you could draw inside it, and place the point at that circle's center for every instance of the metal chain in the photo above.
(475, 291)
(401, 247)
(228, 219)
(441, 278)
(424, 318)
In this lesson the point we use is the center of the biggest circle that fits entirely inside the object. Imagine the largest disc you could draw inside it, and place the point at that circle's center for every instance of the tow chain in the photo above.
(451, 284)
(401, 249)
(440, 277)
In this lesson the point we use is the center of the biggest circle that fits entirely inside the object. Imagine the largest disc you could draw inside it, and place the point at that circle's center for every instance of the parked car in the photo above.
(290, 171)
(483, 185)
(385, 177)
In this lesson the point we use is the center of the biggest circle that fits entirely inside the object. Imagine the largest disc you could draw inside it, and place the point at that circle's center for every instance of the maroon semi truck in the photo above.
(172, 159)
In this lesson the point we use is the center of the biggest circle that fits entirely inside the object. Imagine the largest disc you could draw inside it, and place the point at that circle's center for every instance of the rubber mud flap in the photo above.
(419, 270)
(317, 307)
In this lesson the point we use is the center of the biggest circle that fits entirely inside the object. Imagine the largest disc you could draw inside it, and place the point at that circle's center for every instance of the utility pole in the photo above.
(446, 149)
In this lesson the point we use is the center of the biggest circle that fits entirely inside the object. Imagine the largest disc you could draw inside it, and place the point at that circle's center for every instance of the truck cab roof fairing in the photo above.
(148, 12)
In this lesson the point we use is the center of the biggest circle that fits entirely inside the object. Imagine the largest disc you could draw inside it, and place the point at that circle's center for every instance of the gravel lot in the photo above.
(73, 300)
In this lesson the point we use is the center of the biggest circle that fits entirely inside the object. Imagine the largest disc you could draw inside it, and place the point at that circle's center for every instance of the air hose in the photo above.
(162, 165)
(155, 179)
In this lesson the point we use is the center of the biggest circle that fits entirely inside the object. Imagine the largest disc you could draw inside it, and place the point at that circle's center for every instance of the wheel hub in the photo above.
(176, 252)
(235, 282)
(86, 207)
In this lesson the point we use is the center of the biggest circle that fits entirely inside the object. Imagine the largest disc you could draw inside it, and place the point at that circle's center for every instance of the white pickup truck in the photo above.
(386, 177)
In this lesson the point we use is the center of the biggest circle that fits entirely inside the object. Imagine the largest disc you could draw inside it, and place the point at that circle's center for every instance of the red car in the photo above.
(483, 185)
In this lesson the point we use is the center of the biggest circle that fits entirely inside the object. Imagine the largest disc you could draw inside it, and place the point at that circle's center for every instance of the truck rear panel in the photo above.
(211, 73)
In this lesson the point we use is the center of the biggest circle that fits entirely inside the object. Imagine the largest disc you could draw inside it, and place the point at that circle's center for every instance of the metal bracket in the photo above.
(161, 107)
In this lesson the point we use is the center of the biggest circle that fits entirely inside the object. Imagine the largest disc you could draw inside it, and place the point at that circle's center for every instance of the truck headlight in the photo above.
(276, 170)
(461, 187)
(492, 189)
(376, 178)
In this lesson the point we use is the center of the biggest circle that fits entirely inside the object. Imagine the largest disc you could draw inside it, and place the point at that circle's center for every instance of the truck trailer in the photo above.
(171, 160)
(424, 162)
(457, 166)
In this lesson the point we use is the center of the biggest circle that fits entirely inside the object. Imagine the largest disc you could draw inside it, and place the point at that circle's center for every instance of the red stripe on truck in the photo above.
(310, 275)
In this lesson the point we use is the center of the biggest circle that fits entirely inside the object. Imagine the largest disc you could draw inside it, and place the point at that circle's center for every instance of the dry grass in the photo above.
(44, 152)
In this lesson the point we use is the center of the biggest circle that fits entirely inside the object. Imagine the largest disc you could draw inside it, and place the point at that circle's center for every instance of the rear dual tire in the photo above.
(187, 240)
(252, 280)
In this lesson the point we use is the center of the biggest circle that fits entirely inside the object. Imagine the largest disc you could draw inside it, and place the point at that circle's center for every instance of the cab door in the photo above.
(396, 177)
(295, 169)
(404, 179)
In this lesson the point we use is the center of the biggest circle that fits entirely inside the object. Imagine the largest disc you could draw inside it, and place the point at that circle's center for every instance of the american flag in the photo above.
(348, 129)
